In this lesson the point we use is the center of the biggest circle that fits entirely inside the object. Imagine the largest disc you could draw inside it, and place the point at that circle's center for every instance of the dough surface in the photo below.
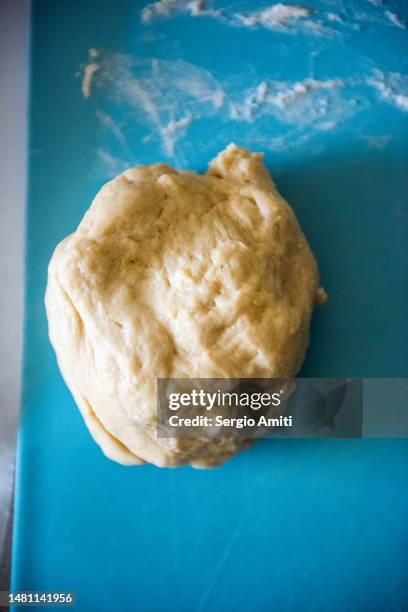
(174, 274)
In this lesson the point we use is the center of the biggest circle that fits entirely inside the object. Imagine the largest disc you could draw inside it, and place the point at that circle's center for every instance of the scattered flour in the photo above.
(301, 103)
(377, 17)
(394, 19)
(402, 101)
(199, 8)
(168, 8)
(173, 131)
(113, 165)
(280, 17)
(392, 86)
(161, 8)
(328, 125)
(378, 142)
(277, 16)
(289, 18)
(89, 71)
(284, 98)
(335, 17)
(252, 103)
(117, 130)
(162, 99)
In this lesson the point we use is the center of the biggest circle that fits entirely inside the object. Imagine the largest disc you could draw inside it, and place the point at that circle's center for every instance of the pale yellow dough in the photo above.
(175, 274)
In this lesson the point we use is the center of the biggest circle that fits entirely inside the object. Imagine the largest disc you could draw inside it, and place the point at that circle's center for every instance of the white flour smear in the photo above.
(289, 18)
(392, 86)
(163, 99)
(394, 19)
(319, 104)
(168, 8)
(173, 131)
(277, 16)
(113, 165)
(378, 142)
(280, 17)
(164, 96)
(115, 128)
(89, 72)
(335, 17)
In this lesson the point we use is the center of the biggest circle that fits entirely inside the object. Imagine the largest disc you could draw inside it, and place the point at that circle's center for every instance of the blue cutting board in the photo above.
(289, 524)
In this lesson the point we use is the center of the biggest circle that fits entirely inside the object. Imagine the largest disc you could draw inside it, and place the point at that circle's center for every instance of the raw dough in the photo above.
(175, 274)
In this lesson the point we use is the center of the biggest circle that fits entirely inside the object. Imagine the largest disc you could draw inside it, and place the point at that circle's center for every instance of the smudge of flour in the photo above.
(379, 142)
(254, 100)
(392, 86)
(115, 128)
(164, 96)
(288, 18)
(394, 19)
(158, 101)
(280, 17)
(89, 72)
(113, 165)
(303, 103)
(199, 8)
(173, 131)
(168, 8)
(335, 17)
(277, 16)
(162, 8)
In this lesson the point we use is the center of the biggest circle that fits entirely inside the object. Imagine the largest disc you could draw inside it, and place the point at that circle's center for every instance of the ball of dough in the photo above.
(173, 274)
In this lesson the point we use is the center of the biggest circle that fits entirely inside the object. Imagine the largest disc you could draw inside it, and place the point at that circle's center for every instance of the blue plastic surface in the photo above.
(287, 525)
